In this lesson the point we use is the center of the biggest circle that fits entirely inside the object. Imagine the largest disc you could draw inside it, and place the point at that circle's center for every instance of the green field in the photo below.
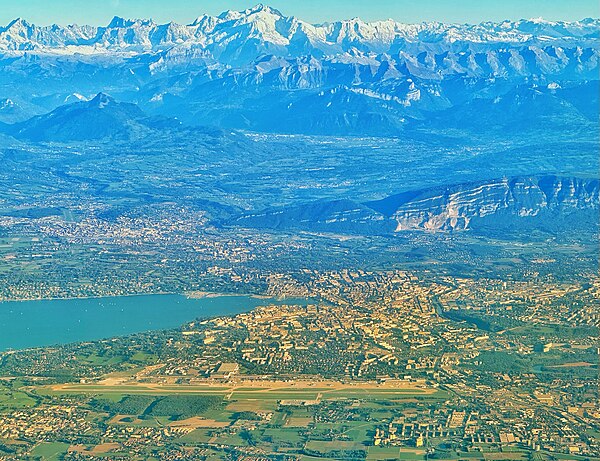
(14, 400)
(50, 451)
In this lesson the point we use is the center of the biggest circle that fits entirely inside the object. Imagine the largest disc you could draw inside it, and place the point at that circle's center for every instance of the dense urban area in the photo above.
(375, 365)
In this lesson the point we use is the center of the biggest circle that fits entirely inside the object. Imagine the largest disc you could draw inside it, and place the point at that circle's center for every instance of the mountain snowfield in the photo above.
(260, 70)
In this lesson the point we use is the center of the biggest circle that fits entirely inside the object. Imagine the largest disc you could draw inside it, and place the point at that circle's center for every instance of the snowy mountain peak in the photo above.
(18, 24)
(229, 15)
(117, 22)
(121, 23)
(204, 19)
(262, 8)
(102, 100)
(258, 13)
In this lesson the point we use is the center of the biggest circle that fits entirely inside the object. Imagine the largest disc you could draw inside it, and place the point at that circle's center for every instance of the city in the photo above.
(311, 373)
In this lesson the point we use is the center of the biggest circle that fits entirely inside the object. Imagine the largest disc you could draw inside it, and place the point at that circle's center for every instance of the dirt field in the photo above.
(198, 423)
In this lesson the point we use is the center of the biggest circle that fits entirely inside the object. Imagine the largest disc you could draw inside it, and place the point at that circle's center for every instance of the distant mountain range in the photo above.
(240, 37)
(338, 111)
(261, 70)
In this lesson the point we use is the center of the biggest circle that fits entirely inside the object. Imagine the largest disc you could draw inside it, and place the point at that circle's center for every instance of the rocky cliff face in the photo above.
(560, 203)
(461, 207)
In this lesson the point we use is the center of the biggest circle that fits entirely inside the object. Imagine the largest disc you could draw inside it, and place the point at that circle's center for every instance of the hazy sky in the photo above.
(99, 12)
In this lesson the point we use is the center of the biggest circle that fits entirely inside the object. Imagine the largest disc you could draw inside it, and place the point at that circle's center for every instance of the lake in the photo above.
(25, 324)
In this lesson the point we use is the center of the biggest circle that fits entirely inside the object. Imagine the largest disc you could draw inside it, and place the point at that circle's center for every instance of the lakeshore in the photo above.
(38, 323)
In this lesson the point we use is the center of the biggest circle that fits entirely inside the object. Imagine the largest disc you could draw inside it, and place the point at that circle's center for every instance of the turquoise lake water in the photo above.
(25, 324)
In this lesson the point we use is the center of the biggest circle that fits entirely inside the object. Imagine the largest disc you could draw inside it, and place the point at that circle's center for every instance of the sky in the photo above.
(100, 12)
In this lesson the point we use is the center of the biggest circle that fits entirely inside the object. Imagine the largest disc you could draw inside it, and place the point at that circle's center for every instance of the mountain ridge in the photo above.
(505, 203)
(95, 119)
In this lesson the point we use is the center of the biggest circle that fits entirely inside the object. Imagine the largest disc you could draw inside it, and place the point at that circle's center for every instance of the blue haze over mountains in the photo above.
(268, 122)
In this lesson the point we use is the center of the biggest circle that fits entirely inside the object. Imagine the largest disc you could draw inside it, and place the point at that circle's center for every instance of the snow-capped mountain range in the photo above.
(235, 37)
(258, 69)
